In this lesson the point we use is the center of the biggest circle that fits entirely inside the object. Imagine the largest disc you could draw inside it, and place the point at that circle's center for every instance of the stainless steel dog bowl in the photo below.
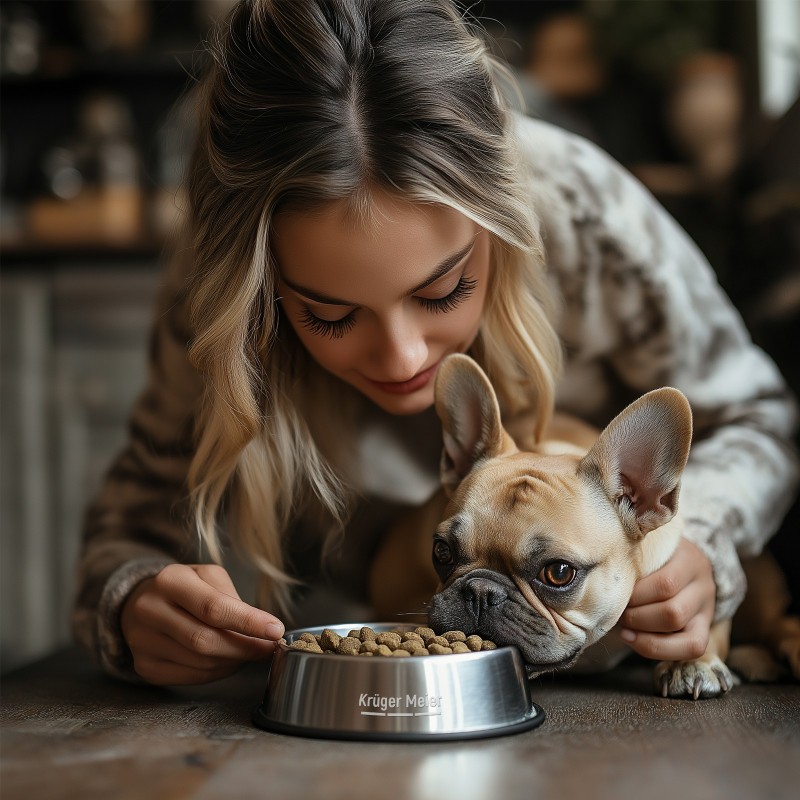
(469, 695)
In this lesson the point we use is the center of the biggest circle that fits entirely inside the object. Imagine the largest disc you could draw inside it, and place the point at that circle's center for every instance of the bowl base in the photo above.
(534, 718)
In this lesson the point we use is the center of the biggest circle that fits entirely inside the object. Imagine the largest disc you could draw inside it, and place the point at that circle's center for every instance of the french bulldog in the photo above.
(541, 548)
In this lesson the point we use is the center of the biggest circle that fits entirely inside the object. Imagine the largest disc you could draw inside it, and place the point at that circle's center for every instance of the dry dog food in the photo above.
(395, 644)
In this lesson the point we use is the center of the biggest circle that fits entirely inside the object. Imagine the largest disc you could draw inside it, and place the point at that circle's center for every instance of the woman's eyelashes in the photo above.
(333, 329)
(336, 329)
(464, 288)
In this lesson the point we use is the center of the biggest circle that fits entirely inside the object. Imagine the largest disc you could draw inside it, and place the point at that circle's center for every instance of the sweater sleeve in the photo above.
(642, 309)
(138, 521)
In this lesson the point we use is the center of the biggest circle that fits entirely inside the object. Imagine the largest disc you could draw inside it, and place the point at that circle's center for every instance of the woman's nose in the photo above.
(400, 350)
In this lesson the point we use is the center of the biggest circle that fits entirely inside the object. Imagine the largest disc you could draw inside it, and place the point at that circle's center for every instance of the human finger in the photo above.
(199, 637)
(687, 565)
(148, 612)
(656, 588)
(668, 616)
(186, 589)
(145, 643)
(684, 645)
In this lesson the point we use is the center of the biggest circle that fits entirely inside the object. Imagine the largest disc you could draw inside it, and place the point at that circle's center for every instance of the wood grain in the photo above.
(70, 732)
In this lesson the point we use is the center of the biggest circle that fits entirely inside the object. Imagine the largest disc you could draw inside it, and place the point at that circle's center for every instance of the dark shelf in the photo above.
(178, 60)
(17, 257)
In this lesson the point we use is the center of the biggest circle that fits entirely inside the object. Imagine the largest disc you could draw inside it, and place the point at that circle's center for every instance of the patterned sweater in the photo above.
(640, 309)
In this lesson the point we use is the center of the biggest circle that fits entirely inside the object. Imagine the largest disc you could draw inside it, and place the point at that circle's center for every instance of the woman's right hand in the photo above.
(188, 625)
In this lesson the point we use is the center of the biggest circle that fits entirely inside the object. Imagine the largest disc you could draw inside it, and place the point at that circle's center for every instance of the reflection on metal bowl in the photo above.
(470, 695)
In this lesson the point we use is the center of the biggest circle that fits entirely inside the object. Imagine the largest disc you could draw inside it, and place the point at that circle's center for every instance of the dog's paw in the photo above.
(693, 679)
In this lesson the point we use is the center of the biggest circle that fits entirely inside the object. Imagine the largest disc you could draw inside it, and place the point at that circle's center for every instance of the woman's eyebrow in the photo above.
(442, 269)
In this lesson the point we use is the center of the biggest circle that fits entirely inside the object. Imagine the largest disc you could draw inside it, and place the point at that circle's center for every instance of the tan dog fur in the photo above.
(577, 496)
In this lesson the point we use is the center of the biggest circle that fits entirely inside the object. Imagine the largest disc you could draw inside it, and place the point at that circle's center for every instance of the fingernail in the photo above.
(275, 630)
(627, 635)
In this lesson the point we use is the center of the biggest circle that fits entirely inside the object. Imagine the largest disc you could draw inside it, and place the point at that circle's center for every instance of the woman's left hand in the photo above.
(669, 615)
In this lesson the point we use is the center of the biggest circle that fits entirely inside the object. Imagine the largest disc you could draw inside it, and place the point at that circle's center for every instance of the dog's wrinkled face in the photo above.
(542, 550)
(532, 554)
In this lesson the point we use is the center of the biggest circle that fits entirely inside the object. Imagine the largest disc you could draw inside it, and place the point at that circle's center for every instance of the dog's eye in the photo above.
(442, 552)
(558, 574)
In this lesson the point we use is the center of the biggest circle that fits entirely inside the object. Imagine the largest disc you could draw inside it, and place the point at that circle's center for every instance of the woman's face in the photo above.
(380, 304)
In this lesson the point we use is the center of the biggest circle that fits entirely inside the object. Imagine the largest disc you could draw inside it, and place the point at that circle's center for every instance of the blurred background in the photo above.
(699, 98)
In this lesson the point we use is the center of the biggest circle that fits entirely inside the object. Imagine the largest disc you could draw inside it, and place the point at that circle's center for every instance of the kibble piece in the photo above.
(329, 640)
(348, 646)
(474, 642)
(365, 654)
(367, 634)
(309, 647)
(421, 641)
(390, 639)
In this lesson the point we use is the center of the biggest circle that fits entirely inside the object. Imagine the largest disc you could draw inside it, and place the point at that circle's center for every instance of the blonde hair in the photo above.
(306, 103)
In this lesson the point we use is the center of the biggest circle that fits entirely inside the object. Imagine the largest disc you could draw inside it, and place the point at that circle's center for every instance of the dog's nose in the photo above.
(480, 594)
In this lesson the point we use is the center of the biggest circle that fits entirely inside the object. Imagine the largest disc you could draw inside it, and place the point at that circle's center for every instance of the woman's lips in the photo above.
(412, 385)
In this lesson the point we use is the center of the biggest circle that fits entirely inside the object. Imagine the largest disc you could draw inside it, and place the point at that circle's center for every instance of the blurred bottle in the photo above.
(62, 172)
(107, 129)
(174, 142)
(93, 180)
(705, 114)
(20, 40)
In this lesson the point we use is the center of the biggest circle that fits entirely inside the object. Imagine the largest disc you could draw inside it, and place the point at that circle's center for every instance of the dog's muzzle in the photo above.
(473, 602)
(481, 594)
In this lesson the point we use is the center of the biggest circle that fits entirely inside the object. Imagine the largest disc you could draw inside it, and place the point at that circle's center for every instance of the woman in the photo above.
(361, 204)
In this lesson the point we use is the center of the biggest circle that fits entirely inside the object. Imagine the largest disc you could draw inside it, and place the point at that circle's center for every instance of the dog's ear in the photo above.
(639, 458)
(470, 415)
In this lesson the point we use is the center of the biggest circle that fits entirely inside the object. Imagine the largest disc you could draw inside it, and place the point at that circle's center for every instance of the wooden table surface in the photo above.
(70, 732)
